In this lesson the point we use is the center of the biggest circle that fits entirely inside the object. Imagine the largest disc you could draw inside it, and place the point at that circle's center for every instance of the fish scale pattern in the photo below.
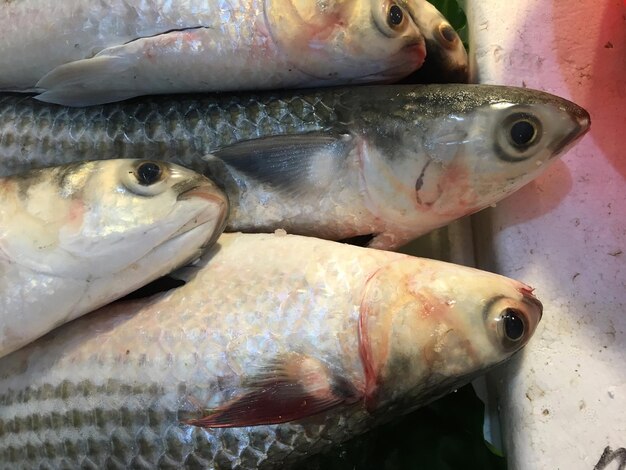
(91, 399)
(182, 129)
(140, 437)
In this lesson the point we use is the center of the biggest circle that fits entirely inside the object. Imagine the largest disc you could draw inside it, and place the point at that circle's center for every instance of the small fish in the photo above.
(277, 347)
(446, 57)
(75, 237)
(387, 163)
(86, 52)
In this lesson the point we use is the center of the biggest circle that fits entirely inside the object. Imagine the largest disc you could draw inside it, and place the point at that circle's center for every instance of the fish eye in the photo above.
(510, 322)
(448, 34)
(522, 133)
(395, 16)
(513, 324)
(518, 136)
(511, 327)
(148, 173)
(145, 178)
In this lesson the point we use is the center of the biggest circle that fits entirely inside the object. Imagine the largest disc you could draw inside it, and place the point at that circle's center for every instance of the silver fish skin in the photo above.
(393, 162)
(277, 347)
(86, 52)
(76, 237)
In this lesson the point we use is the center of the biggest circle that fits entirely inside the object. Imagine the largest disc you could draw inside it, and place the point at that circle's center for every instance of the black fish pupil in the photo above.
(522, 133)
(395, 15)
(513, 324)
(148, 173)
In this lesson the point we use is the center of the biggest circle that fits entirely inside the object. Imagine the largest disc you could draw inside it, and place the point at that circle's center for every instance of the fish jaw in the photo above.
(441, 325)
(341, 38)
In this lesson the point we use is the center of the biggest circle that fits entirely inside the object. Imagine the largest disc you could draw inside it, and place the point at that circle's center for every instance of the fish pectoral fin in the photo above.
(290, 163)
(85, 82)
(293, 387)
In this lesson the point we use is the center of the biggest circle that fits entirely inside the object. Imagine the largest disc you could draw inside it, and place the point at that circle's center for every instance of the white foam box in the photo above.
(562, 403)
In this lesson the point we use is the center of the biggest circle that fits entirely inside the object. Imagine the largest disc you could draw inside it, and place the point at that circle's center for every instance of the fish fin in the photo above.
(290, 163)
(293, 387)
(80, 83)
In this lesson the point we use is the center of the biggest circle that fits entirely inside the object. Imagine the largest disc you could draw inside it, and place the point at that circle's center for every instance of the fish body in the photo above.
(76, 237)
(276, 348)
(390, 162)
(83, 52)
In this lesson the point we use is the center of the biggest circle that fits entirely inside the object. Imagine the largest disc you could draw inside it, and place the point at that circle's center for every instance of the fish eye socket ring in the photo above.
(512, 327)
(389, 17)
(448, 35)
(519, 133)
(148, 173)
(145, 177)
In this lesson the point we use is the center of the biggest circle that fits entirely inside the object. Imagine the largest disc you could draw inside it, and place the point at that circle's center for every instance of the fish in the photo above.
(76, 237)
(85, 52)
(384, 163)
(277, 347)
(446, 58)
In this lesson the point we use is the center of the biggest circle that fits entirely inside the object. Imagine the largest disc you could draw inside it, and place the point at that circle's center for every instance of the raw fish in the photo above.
(385, 162)
(85, 52)
(75, 237)
(276, 348)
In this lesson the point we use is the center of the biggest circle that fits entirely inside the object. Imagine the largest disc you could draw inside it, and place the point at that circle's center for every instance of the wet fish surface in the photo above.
(84, 52)
(277, 347)
(393, 162)
(76, 237)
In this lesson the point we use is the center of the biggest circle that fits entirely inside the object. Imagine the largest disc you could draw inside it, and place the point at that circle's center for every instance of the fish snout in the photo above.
(533, 303)
(581, 123)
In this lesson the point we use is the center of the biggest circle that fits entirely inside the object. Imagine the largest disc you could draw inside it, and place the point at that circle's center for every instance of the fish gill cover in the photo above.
(445, 435)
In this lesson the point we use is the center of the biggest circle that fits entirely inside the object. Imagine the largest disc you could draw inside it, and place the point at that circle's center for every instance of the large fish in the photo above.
(74, 238)
(391, 162)
(84, 52)
(276, 348)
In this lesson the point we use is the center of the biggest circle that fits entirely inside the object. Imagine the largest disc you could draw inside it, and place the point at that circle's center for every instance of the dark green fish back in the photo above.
(179, 128)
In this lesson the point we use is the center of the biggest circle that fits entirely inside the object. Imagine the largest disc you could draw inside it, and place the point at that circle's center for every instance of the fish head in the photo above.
(446, 151)
(347, 40)
(446, 57)
(131, 218)
(428, 327)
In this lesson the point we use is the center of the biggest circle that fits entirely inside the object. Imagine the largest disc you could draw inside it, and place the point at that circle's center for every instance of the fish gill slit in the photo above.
(162, 33)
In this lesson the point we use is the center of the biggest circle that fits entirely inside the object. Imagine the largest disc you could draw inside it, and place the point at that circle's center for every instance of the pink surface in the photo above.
(563, 403)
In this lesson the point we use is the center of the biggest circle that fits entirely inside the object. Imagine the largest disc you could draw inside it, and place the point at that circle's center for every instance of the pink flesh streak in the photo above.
(365, 351)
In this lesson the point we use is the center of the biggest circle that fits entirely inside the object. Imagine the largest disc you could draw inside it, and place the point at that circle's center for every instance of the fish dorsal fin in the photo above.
(292, 387)
(290, 162)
